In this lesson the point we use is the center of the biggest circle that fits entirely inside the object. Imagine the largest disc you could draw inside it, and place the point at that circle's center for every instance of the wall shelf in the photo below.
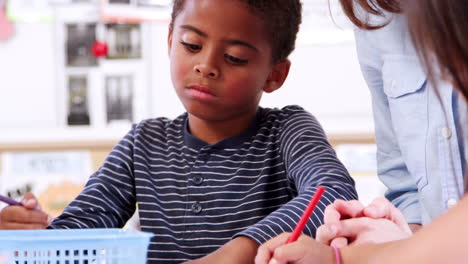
(99, 139)
(62, 139)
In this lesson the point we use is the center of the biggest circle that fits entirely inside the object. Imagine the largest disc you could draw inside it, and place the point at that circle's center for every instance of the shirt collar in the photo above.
(232, 142)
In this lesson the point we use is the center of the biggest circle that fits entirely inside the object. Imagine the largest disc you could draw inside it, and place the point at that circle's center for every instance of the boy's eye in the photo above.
(234, 60)
(191, 47)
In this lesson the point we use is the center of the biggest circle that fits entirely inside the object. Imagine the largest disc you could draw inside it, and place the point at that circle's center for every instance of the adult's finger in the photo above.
(289, 253)
(325, 234)
(365, 230)
(305, 250)
(266, 250)
(382, 208)
(340, 210)
(349, 209)
(328, 235)
(354, 226)
(296, 252)
(339, 242)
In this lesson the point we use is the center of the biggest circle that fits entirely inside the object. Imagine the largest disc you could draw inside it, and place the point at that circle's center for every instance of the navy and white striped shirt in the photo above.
(195, 197)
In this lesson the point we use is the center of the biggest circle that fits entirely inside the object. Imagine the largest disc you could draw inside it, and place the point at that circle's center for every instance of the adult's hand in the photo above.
(364, 231)
(303, 251)
(335, 233)
(333, 215)
(383, 208)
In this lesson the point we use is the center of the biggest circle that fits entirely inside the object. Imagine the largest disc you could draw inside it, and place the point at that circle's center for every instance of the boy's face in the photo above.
(220, 59)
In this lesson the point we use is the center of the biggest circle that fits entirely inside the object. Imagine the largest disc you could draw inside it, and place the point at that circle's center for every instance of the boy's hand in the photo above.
(304, 251)
(28, 216)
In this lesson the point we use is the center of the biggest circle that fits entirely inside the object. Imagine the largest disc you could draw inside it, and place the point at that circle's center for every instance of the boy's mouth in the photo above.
(201, 88)
(201, 92)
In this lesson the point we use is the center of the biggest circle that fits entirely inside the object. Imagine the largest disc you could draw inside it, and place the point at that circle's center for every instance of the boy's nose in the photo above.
(206, 71)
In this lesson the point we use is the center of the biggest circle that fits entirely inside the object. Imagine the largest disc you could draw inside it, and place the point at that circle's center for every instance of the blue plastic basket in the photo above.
(76, 246)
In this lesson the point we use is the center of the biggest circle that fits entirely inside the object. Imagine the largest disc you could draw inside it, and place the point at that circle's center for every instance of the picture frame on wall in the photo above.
(119, 2)
(119, 98)
(78, 110)
(123, 41)
(80, 38)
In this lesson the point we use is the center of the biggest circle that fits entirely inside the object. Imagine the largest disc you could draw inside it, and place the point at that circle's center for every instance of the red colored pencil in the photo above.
(306, 215)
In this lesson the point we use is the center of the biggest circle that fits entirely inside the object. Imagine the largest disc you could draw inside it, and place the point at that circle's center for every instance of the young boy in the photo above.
(227, 175)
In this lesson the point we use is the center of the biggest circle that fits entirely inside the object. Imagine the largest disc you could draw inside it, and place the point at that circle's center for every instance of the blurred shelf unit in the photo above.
(107, 138)
(102, 69)
(61, 138)
(351, 138)
(96, 69)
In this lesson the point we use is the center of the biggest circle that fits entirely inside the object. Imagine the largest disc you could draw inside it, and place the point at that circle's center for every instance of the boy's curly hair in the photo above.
(282, 18)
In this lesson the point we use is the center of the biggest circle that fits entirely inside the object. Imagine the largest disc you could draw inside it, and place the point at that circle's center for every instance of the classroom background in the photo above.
(75, 74)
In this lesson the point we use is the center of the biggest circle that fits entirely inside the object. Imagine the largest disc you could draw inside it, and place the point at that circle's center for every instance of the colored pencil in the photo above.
(306, 215)
(9, 201)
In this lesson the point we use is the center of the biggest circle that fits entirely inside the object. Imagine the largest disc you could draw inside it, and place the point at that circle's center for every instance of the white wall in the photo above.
(27, 78)
(324, 79)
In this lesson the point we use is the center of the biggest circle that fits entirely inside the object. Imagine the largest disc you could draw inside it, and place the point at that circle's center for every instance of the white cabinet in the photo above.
(111, 90)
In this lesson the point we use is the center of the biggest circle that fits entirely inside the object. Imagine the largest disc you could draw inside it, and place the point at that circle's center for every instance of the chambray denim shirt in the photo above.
(421, 138)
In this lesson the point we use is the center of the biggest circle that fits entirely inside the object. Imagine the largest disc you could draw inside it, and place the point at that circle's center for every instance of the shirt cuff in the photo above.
(411, 209)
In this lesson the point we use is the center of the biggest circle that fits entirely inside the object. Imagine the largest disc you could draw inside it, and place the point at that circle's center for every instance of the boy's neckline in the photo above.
(231, 142)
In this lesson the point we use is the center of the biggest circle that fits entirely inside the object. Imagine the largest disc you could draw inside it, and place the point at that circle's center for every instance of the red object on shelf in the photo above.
(99, 49)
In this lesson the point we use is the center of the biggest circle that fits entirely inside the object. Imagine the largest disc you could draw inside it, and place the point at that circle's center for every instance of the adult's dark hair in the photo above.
(282, 19)
(439, 29)
(358, 11)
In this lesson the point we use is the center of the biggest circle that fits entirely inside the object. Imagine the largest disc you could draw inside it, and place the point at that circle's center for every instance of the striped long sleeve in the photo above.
(309, 161)
(195, 197)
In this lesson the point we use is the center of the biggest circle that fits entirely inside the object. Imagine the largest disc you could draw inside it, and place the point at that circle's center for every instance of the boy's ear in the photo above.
(277, 76)
(169, 42)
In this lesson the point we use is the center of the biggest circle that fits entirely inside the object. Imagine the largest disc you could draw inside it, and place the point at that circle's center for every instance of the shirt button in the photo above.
(196, 208)
(446, 132)
(393, 84)
(451, 203)
(197, 180)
